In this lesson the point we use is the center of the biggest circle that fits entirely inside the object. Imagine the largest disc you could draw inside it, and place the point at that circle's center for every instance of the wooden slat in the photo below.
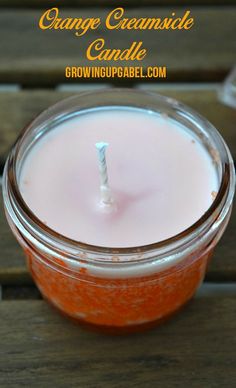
(196, 349)
(12, 264)
(18, 109)
(13, 269)
(223, 265)
(107, 3)
(34, 57)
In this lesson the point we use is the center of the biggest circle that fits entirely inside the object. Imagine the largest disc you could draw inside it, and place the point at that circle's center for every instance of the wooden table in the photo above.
(38, 347)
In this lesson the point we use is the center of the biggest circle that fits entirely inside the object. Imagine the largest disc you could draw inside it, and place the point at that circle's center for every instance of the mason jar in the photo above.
(118, 289)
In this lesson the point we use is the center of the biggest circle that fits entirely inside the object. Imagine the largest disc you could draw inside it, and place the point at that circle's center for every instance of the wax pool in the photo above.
(162, 179)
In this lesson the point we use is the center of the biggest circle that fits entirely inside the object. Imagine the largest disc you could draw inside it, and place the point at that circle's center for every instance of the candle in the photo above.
(161, 178)
(118, 199)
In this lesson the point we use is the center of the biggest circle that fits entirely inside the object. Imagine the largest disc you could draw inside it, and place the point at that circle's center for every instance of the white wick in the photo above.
(106, 197)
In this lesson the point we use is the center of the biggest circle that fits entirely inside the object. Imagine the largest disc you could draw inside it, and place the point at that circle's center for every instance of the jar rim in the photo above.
(33, 223)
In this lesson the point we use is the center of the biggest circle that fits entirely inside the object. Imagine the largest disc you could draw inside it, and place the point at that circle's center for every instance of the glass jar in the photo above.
(124, 289)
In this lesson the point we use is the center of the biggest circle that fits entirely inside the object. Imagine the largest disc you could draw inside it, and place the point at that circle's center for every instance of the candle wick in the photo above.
(106, 196)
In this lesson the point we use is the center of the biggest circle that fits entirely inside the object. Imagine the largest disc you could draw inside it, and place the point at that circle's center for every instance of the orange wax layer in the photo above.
(117, 303)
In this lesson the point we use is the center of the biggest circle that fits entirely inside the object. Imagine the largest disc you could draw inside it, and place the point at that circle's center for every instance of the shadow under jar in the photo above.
(125, 288)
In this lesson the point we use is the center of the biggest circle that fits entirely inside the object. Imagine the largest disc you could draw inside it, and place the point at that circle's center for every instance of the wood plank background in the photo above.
(31, 56)
(107, 3)
(39, 348)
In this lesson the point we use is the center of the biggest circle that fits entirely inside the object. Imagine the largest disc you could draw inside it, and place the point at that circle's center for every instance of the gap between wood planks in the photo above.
(78, 87)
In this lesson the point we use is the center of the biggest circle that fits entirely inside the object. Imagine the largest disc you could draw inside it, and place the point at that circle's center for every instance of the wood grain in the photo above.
(31, 56)
(195, 349)
(18, 109)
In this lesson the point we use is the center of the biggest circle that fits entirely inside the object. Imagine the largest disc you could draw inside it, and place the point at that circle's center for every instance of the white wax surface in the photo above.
(161, 179)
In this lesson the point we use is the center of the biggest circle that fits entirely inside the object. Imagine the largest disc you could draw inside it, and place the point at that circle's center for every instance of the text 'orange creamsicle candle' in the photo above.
(118, 198)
